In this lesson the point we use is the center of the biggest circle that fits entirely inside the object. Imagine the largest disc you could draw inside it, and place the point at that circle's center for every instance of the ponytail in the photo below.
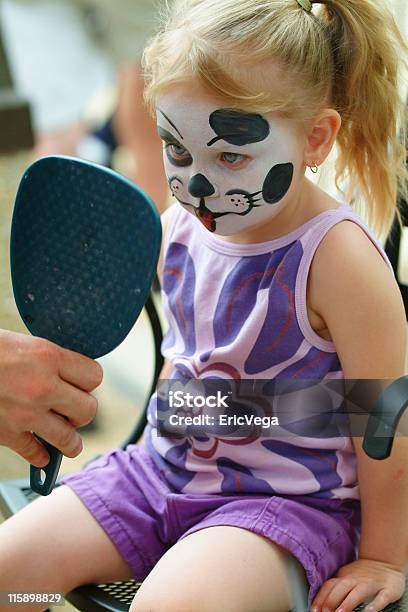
(367, 46)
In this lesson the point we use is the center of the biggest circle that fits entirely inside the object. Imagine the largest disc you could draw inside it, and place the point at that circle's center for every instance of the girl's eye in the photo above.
(177, 154)
(234, 159)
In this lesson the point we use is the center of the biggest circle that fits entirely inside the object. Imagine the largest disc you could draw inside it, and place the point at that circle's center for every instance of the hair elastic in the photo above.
(305, 4)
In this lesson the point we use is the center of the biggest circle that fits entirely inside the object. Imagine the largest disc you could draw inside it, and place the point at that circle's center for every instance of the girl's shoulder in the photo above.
(340, 231)
(352, 288)
(168, 216)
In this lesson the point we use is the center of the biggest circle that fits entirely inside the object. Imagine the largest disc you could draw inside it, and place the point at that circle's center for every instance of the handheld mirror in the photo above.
(84, 248)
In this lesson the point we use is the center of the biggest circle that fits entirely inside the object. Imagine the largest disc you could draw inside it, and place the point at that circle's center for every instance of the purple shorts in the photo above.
(144, 516)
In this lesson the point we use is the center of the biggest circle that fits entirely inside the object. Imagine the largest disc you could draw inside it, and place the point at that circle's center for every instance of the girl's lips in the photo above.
(206, 217)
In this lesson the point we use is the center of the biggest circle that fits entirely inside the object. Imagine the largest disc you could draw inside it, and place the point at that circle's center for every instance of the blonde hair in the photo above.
(272, 55)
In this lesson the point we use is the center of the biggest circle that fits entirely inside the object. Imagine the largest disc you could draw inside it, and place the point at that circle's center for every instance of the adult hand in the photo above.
(39, 379)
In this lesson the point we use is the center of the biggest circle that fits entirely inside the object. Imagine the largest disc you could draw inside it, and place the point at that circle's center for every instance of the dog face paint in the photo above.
(233, 170)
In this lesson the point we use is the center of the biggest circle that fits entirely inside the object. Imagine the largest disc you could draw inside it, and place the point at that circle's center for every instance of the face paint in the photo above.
(232, 169)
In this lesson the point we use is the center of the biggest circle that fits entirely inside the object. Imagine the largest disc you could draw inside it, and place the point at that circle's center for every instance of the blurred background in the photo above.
(70, 83)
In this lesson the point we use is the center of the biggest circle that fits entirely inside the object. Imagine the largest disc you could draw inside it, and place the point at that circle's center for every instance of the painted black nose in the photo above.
(200, 187)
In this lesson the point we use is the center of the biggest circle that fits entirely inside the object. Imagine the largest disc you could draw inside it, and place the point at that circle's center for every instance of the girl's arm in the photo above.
(354, 291)
(384, 497)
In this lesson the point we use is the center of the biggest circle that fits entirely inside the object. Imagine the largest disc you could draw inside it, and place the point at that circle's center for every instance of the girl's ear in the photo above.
(321, 137)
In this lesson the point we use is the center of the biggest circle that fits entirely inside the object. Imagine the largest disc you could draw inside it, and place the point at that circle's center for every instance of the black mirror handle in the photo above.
(46, 485)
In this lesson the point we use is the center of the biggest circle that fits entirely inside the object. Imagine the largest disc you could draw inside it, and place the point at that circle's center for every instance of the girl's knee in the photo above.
(202, 600)
(180, 603)
(173, 602)
(154, 598)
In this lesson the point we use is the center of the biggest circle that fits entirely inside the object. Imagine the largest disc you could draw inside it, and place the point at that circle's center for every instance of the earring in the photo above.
(314, 168)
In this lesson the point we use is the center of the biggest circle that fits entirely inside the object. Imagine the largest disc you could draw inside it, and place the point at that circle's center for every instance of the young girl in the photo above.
(264, 276)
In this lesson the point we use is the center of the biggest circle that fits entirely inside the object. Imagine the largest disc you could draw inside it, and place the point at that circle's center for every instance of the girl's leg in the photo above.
(218, 568)
(54, 545)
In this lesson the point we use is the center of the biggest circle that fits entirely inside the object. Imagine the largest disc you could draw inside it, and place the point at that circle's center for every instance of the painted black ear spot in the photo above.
(238, 128)
(277, 182)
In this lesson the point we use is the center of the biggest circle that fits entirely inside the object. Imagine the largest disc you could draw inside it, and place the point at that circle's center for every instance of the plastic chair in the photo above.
(117, 596)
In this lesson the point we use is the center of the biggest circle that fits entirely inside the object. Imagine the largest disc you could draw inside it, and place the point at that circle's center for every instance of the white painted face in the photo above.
(232, 169)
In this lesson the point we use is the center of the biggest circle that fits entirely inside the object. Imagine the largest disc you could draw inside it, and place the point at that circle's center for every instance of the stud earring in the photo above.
(314, 168)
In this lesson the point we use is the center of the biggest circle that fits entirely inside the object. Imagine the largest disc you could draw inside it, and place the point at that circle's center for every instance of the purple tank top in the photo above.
(238, 311)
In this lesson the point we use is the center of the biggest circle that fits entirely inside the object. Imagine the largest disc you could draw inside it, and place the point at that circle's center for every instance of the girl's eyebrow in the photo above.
(165, 135)
(171, 123)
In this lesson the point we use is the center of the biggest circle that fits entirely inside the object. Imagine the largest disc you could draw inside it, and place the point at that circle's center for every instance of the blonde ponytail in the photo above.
(367, 47)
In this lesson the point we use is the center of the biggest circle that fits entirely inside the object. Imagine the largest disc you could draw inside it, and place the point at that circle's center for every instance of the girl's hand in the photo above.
(362, 581)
